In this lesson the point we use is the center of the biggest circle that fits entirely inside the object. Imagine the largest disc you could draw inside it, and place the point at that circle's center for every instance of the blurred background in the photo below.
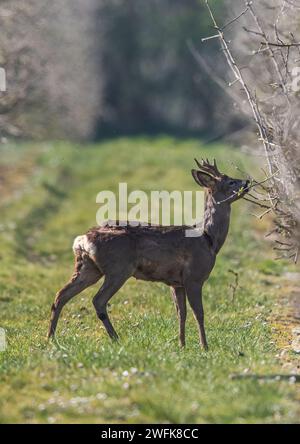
(87, 69)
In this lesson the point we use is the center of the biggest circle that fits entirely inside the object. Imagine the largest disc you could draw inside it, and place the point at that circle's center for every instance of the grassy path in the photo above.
(145, 378)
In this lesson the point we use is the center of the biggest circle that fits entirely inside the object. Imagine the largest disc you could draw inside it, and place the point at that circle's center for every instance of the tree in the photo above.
(263, 55)
(152, 82)
(48, 52)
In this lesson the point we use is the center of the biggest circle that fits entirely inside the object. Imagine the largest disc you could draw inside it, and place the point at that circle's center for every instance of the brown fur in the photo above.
(155, 253)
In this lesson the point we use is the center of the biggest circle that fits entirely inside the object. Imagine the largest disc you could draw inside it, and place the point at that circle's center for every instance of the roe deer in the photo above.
(156, 253)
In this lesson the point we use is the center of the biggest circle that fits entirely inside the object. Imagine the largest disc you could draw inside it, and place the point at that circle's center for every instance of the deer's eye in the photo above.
(232, 182)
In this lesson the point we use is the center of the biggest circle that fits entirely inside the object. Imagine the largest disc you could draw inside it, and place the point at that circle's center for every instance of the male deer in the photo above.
(157, 253)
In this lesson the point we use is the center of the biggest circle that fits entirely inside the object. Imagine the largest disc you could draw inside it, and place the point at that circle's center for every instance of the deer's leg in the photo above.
(179, 297)
(194, 294)
(110, 286)
(85, 275)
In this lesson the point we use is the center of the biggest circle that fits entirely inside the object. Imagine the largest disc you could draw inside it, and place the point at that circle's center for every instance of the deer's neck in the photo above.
(216, 221)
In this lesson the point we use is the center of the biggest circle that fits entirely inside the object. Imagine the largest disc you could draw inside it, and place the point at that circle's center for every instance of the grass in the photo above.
(145, 377)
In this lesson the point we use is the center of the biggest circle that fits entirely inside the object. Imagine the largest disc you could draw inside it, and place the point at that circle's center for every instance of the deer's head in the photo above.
(222, 187)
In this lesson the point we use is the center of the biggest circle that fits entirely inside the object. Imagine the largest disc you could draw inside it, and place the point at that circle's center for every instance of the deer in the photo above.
(157, 254)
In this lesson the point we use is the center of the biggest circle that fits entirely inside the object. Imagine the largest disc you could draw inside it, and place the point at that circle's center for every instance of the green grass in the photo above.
(146, 377)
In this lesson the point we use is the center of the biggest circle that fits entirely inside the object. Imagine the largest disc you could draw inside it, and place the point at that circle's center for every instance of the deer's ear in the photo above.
(203, 179)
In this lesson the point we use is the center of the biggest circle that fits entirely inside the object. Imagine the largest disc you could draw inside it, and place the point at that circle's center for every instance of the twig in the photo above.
(210, 37)
(235, 18)
(204, 65)
(256, 203)
(260, 216)
(280, 45)
(235, 285)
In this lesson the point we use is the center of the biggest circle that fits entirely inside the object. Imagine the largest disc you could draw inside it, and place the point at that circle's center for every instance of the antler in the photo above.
(208, 168)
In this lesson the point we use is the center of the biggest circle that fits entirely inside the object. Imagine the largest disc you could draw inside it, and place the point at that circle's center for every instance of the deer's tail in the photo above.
(83, 249)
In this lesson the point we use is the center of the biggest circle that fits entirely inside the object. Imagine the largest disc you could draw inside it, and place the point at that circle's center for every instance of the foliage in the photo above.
(152, 81)
(89, 67)
(48, 50)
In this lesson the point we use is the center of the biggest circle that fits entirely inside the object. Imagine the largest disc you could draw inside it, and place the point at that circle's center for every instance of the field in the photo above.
(48, 196)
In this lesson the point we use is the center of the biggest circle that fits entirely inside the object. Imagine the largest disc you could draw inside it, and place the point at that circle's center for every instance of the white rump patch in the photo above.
(83, 244)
